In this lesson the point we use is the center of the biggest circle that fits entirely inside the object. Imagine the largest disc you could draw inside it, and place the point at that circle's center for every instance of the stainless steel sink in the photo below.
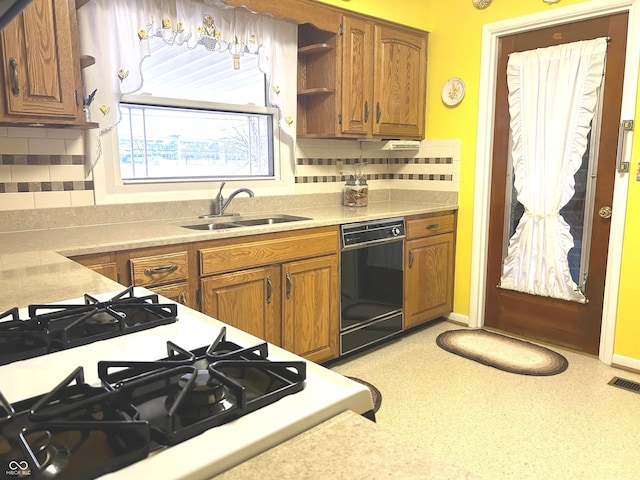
(269, 220)
(246, 222)
(211, 226)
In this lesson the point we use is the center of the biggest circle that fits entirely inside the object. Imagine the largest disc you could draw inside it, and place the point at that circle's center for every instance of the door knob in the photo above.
(605, 212)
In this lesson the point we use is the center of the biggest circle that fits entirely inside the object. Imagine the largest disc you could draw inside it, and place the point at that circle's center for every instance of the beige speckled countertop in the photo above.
(34, 267)
(346, 446)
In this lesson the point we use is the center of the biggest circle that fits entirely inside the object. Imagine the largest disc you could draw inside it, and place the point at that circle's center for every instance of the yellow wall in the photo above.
(455, 28)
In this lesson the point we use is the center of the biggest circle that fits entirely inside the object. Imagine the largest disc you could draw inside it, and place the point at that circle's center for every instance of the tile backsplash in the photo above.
(43, 168)
(327, 163)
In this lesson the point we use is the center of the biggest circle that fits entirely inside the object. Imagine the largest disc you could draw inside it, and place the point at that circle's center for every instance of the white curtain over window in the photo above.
(552, 97)
(117, 33)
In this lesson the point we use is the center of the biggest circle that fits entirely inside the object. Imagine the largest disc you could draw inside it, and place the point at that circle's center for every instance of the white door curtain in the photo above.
(552, 97)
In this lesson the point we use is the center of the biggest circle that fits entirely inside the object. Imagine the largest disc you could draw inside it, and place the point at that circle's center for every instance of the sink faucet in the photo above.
(219, 205)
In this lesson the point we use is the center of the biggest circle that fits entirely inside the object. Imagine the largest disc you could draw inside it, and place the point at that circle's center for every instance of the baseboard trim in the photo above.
(626, 363)
(459, 319)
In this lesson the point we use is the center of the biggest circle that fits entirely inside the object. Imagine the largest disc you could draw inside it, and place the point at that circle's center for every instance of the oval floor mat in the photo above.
(502, 352)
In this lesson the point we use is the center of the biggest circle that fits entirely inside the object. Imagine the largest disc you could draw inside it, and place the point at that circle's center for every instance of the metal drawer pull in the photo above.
(288, 288)
(15, 83)
(366, 111)
(410, 258)
(183, 298)
(269, 289)
(433, 226)
(378, 112)
(162, 269)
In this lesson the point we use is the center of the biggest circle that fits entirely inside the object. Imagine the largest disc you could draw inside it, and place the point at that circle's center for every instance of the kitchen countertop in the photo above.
(34, 267)
(346, 446)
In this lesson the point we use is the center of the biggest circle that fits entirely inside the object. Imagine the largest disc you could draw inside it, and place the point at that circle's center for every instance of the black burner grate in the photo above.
(82, 431)
(54, 327)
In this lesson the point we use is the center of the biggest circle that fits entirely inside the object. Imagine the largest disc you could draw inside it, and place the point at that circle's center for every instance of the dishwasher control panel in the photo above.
(374, 231)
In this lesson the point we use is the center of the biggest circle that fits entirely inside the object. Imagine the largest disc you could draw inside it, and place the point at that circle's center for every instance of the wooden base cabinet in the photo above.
(279, 287)
(429, 268)
(309, 308)
(102, 263)
(245, 300)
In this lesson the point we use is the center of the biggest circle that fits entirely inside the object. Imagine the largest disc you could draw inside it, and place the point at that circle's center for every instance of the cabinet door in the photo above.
(400, 74)
(247, 300)
(357, 82)
(41, 61)
(428, 278)
(178, 292)
(310, 308)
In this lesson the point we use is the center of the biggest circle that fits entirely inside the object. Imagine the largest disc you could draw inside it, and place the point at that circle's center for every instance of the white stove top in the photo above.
(325, 395)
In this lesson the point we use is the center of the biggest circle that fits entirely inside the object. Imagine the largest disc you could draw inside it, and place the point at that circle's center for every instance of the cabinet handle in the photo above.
(162, 269)
(366, 111)
(269, 288)
(378, 112)
(433, 226)
(410, 258)
(15, 82)
(183, 298)
(288, 287)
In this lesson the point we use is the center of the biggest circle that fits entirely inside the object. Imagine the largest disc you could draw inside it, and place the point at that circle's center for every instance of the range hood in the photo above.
(396, 145)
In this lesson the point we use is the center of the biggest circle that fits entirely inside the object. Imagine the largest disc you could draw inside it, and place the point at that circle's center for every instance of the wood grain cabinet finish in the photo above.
(280, 287)
(159, 269)
(166, 274)
(357, 78)
(429, 268)
(102, 263)
(400, 82)
(246, 299)
(41, 66)
(384, 70)
(310, 320)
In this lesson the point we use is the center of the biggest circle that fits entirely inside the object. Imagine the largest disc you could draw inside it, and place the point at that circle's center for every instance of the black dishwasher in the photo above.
(371, 277)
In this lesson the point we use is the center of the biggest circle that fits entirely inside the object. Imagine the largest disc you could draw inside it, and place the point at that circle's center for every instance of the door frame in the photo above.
(491, 34)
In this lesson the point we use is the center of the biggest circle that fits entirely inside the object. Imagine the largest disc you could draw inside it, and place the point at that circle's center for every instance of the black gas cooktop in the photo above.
(81, 431)
(55, 327)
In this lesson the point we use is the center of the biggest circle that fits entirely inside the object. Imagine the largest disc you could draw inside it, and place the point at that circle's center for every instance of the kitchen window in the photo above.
(173, 143)
(177, 128)
(181, 79)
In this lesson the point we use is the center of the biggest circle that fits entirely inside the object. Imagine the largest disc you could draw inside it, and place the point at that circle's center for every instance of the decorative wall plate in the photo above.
(453, 91)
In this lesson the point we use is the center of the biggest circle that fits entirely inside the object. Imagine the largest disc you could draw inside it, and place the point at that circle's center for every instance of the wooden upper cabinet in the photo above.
(384, 71)
(400, 74)
(357, 81)
(41, 65)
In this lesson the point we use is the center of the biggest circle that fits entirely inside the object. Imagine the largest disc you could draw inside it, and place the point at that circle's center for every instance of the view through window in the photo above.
(176, 128)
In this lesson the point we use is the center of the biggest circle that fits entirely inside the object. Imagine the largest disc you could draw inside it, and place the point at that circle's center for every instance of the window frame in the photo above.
(110, 189)
(153, 101)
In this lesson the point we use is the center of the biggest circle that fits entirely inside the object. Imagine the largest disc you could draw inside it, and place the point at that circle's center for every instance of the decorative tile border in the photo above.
(42, 159)
(343, 161)
(20, 187)
(340, 178)
(314, 175)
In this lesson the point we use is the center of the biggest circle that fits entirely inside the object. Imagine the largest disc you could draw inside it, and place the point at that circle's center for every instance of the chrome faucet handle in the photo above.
(220, 191)
(218, 201)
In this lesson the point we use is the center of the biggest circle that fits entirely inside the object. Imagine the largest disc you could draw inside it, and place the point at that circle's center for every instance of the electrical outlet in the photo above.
(339, 166)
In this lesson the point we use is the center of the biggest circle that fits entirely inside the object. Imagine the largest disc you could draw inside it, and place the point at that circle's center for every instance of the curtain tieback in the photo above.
(554, 213)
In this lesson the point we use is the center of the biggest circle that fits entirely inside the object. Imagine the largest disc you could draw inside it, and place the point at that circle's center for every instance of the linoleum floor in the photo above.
(502, 425)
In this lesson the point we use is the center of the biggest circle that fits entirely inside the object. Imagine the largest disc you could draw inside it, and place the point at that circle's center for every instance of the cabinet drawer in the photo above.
(425, 227)
(159, 269)
(228, 258)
